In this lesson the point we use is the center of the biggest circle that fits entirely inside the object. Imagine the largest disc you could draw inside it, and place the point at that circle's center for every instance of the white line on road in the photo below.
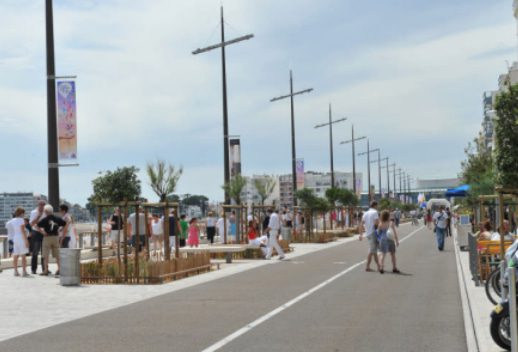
(221, 343)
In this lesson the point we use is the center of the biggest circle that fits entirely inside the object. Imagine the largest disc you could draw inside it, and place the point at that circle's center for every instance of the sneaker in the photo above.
(16, 273)
(396, 271)
(281, 257)
(45, 274)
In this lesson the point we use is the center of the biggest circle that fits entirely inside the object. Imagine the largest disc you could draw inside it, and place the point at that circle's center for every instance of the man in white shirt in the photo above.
(274, 226)
(508, 236)
(142, 229)
(368, 226)
(440, 220)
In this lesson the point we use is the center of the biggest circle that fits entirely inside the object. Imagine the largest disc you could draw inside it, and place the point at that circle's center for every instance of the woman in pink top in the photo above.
(194, 238)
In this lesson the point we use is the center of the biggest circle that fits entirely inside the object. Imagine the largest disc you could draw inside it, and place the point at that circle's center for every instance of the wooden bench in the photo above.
(229, 250)
(489, 256)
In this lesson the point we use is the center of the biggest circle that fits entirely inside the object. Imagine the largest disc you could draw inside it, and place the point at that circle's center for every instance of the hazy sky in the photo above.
(409, 74)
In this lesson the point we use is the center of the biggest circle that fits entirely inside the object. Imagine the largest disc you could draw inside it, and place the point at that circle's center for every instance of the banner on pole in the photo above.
(235, 156)
(299, 168)
(67, 126)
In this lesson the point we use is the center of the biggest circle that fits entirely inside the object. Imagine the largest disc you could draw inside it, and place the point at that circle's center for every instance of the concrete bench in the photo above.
(227, 249)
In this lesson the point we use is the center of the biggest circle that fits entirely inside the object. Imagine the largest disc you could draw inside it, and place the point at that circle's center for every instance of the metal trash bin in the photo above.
(463, 231)
(69, 273)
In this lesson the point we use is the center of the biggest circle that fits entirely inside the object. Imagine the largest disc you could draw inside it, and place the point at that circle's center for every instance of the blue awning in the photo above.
(460, 191)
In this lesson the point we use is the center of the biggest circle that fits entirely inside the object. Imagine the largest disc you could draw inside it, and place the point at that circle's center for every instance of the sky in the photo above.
(409, 74)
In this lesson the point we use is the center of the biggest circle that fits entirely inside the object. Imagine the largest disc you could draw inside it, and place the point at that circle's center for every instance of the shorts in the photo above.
(50, 243)
(387, 246)
(373, 244)
(114, 235)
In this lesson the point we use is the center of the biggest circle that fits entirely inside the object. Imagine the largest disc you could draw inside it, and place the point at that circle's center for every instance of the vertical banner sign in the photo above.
(235, 156)
(300, 173)
(67, 127)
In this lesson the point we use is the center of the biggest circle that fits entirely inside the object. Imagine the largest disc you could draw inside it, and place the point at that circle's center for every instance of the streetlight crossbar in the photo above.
(353, 140)
(220, 45)
(291, 95)
(332, 122)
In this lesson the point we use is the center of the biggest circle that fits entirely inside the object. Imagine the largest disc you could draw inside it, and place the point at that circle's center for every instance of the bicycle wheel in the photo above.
(492, 286)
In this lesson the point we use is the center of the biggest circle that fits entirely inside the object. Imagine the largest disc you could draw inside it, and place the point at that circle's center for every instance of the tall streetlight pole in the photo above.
(293, 150)
(393, 165)
(352, 141)
(52, 130)
(401, 175)
(222, 45)
(388, 175)
(330, 124)
(368, 153)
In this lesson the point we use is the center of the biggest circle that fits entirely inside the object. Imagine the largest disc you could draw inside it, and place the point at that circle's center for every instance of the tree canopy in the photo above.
(506, 141)
(235, 187)
(116, 186)
(265, 187)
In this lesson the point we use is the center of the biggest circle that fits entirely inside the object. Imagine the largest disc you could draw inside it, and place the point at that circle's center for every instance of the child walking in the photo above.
(194, 234)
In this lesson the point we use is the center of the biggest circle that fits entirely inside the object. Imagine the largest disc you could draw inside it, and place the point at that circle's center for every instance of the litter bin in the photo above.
(69, 273)
(463, 231)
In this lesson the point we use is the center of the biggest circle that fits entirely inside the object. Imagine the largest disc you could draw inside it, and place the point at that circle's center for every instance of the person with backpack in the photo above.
(440, 220)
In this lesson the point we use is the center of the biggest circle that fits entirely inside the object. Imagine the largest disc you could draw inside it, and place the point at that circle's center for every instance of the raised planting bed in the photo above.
(148, 272)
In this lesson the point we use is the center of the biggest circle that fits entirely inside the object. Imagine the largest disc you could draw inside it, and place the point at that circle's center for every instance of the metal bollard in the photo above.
(512, 309)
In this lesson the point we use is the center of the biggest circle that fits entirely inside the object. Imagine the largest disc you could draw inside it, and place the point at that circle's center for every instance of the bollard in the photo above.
(512, 309)
(69, 273)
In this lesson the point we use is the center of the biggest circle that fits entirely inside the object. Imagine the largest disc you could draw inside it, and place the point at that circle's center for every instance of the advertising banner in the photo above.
(66, 114)
(299, 167)
(235, 156)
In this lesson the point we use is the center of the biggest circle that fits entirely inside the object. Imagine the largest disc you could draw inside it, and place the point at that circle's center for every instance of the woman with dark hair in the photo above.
(485, 231)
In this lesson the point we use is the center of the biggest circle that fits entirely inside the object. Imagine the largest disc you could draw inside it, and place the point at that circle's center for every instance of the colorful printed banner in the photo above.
(299, 168)
(67, 127)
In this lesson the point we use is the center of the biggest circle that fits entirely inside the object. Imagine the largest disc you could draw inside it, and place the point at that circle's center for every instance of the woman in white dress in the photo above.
(68, 236)
(20, 241)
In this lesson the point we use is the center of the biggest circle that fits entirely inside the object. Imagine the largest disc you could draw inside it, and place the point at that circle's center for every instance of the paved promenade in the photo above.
(314, 301)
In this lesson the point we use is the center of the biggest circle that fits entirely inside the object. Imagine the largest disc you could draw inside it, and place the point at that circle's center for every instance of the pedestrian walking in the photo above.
(368, 226)
(36, 237)
(439, 219)
(220, 227)
(448, 222)
(429, 220)
(194, 233)
(20, 241)
(184, 228)
(397, 216)
(68, 237)
(140, 230)
(49, 226)
(211, 227)
(274, 226)
(388, 240)
(233, 226)
(157, 234)
(174, 229)
(117, 225)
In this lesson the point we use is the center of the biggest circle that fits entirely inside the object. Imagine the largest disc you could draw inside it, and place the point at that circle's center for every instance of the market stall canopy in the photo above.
(460, 191)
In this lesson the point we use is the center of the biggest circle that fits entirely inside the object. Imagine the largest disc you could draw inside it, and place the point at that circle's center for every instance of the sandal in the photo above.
(369, 270)
(396, 271)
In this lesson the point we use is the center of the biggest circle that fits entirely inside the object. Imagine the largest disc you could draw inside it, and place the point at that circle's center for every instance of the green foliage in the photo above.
(506, 132)
(265, 187)
(308, 199)
(478, 172)
(163, 178)
(116, 186)
(342, 196)
(235, 187)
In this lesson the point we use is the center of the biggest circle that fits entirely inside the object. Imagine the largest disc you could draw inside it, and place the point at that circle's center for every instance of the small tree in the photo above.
(235, 187)
(116, 186)
(506, 132)
(265, 187)
(163, 178)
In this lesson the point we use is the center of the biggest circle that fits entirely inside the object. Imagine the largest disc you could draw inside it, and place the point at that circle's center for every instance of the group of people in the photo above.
(486, 232)
(42, 232)
(269, 239)
(382, 236)
(187, 231)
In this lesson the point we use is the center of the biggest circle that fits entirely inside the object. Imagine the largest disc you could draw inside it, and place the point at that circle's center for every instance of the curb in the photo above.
(469, 324)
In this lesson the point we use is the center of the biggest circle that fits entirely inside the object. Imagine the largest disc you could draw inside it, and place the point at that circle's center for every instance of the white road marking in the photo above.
(226, 340)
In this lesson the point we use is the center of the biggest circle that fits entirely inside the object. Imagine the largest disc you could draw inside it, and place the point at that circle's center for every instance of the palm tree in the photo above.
(265, 187)
(235, 187)
(163, 178)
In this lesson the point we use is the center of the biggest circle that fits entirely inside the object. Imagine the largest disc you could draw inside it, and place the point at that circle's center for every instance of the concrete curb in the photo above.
(469, 324)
